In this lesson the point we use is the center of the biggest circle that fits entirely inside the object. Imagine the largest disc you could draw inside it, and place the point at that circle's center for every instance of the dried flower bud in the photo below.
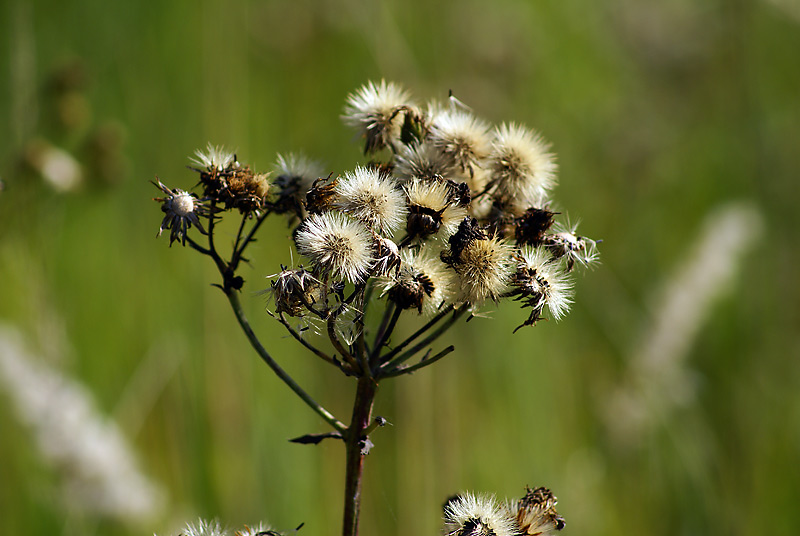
(530, 228)
(387, 256)
(422, 283)
(181, 210)
(293, 291)
(536, 513)
(321, 197)
(431, 208)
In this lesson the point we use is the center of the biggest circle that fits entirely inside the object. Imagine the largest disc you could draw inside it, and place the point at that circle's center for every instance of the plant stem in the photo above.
(356, 446)
(233, 298)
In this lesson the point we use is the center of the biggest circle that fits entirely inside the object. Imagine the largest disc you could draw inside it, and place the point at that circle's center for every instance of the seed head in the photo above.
(536, 513)
(296, 174)
(422, 283)
(483, 263)
(421, 161)
(520, 165)
(293, 291)
(575, 249)
(470, 515)
(461, 137)
(336, 245)
(432, 207)
(371, 197)
(378, 112)
(541, 281)
(181, 210)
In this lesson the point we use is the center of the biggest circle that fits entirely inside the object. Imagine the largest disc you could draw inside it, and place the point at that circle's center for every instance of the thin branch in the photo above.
(405, 356)
(432, 322)
(233, 298)
(400, 370)
(308, 345)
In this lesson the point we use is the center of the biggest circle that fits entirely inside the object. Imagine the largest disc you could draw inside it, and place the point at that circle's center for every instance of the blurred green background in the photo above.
(660, 112)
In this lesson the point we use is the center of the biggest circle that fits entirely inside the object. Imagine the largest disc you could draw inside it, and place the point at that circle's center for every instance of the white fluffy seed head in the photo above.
(372, 198)
(421, 161)
(521, 165)
(336, 245)
(471, 515)
(376, 110)
(544, 276)
(461, 136)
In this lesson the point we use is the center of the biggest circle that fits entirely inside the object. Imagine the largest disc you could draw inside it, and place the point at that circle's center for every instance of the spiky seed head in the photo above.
(471, 515)
(181, 210)
(521, 165)
(370, 196)
(541, 281)
(461, 137)
(204, 528)
(536, 513)
(421, 161)
(482, 262)
(422, 282)
(432, 208)
(296, 174)
(215, 158)
(322, 195)
(378, 112)
(337, 246)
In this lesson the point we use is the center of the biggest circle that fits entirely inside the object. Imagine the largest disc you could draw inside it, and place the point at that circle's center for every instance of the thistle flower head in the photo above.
(521, 166)
(433, 206)
(461, 137)
(296, 175)
(378, 112)
(336, 245)
(531, 226)
(541, 281)
(370, 196)
(181, 210)
(483, 263)
(246, 191)
(387, 256)
(204, 528)
(422, 283)
(536, 513)
(471, 515)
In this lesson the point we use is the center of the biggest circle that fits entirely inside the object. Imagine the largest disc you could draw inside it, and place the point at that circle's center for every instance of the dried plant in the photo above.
(449, 215)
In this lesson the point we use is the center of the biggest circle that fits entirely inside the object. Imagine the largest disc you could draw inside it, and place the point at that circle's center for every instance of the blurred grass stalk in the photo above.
(100, 475)
(658, 379)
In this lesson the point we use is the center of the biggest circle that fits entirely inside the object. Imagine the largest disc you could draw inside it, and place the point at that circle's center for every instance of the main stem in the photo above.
(355, 443)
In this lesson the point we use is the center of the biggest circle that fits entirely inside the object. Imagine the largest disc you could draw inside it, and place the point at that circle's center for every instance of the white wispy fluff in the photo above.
(101, 475)
(658, 379)
(214, 157)
(521, 164)
(372, 198)
(465, 512)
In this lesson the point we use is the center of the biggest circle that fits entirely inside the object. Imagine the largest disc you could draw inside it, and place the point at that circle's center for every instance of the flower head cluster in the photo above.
(457, 213)
(470, 515)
